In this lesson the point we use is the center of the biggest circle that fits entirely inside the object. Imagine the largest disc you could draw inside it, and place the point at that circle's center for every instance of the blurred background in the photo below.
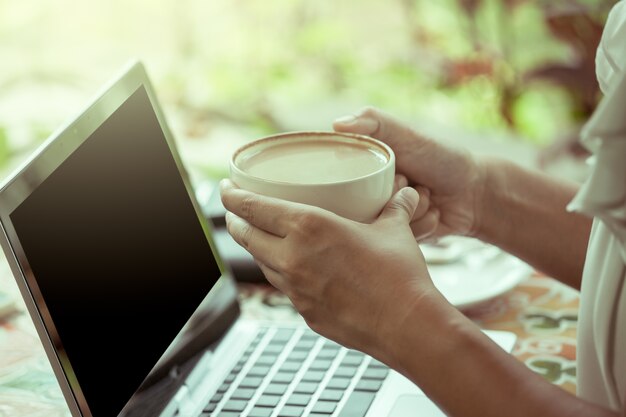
(513, 77)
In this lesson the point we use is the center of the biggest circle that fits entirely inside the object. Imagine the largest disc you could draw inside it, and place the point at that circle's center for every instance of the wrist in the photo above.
(489, 189)
(426, 317)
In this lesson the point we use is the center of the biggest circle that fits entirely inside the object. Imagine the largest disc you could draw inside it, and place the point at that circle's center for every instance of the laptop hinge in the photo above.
(192, 392)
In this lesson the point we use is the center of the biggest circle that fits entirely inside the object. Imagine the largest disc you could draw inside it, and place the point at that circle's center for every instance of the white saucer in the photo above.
(478, 276)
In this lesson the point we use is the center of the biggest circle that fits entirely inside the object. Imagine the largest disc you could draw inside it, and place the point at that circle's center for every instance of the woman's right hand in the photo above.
(450, 181)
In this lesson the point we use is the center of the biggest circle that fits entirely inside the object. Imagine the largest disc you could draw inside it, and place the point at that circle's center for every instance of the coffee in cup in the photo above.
(350, 175)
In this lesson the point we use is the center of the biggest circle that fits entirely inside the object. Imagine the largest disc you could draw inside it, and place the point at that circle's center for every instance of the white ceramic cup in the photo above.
(360, 198)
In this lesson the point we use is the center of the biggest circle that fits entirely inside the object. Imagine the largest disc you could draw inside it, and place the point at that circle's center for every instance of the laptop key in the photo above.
(321, 364)
(352, 360)
(309, 334)
(326, 353)
(297, 355)
(345, 371)
(267, 360)
(274, 348)
(290, 367)
(223, 388)
(235, 405)
(299, 399)
(261, 412)
(324, 407)
(282, 335)
(268, 401)
(243, 394)
(306, 388)
(329, 344)
(371, 385)
(304, 344)
(331, 395)
(259, 370)
(291, 411)
(377, 364)
(228, 414)
(338, 383)
(375, 373)
(283, 377)
(251, 382)
(357, 405)
(276, 389)
(210, 407)
(313, 376)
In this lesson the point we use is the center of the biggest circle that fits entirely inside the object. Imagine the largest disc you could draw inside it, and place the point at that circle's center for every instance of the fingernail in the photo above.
(409, 192)
(346, 120)
(359, 124)
(228, 217)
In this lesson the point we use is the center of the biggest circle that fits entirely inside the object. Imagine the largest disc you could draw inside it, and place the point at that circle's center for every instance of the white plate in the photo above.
(478, 277)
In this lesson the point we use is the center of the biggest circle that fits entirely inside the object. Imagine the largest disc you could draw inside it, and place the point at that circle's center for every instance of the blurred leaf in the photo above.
(5, 150)
(511, 4)
(469, 6)
(542, 112)
(575, 26)
(459, 71)
(577, 79)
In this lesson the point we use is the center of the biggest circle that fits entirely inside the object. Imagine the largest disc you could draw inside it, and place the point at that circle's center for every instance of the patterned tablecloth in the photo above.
(541, 311)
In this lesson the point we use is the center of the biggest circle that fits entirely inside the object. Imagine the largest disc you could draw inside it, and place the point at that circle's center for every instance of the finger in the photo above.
(272, 276)
(356, 124)
(399, 182)
(267, 213)
(424, 203)
(401, 206)
(426, 226)
(261, 245)
(375, 123)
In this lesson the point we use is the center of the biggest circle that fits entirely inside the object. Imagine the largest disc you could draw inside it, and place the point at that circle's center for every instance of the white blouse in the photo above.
(601, 351)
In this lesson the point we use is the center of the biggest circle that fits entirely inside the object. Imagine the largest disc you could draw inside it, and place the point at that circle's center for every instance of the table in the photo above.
(541, 311)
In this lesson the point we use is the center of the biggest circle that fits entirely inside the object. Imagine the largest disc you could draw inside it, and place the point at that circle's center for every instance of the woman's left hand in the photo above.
(352, 282)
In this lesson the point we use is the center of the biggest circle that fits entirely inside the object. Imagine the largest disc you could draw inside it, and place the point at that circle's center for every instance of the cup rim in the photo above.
(302, 134)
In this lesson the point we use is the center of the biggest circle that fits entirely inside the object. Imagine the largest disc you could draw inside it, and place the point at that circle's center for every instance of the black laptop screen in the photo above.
(118, 253)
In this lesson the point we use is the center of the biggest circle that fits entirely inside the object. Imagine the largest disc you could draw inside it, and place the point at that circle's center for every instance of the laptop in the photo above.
(136, 311)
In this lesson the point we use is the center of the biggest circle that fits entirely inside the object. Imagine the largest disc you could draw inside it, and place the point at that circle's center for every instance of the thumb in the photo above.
(401, 206)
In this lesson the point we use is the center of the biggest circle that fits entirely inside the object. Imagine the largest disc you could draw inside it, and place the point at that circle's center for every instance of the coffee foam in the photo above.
(313, 161)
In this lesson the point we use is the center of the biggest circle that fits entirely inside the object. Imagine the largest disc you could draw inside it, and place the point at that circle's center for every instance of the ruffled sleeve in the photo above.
(603, 195)
(601, 346)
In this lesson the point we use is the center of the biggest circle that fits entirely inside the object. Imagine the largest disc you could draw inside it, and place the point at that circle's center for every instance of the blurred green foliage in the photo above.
(5, 151)
(521, 66)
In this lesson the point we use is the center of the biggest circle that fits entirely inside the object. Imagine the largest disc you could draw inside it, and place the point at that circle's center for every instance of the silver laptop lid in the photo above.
(113, 257)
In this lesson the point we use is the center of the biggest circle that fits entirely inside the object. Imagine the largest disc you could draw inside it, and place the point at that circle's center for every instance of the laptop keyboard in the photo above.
(288, 372)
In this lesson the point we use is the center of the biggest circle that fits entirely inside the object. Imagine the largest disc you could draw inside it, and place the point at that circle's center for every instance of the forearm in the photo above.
(524, 213)
(468, 375)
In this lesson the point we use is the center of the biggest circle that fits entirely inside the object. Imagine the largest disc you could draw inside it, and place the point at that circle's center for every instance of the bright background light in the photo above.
(229, 71)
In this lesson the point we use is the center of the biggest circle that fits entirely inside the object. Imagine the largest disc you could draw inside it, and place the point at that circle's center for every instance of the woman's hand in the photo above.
(354, 283)
(450, 182)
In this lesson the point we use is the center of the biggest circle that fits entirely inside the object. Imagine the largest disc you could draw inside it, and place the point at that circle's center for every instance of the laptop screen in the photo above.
(118, 252)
